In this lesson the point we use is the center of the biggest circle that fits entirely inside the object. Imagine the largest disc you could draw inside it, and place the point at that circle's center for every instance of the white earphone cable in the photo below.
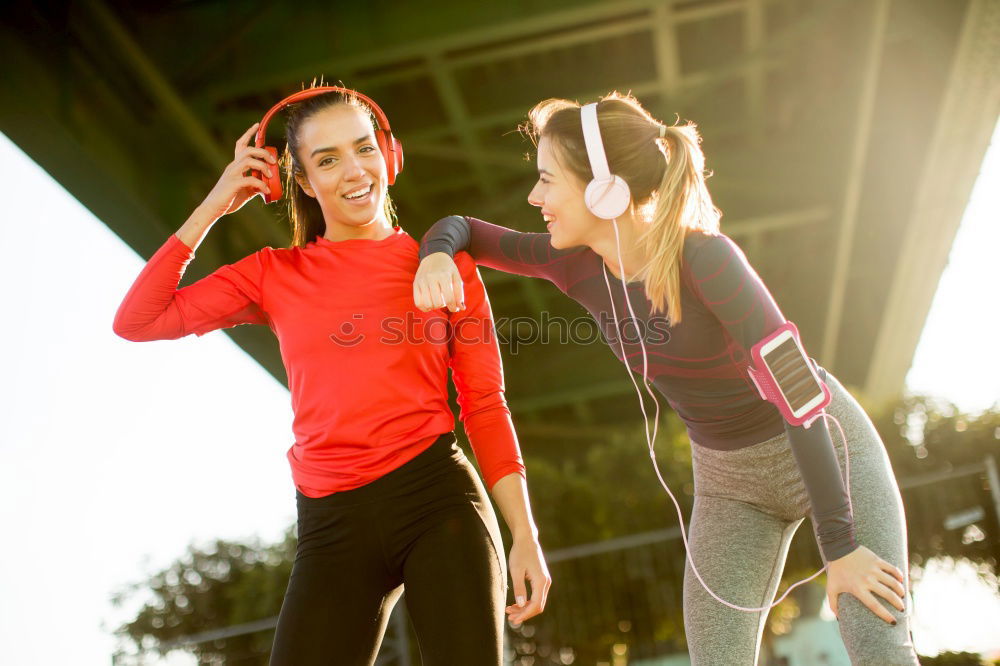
(651, 439)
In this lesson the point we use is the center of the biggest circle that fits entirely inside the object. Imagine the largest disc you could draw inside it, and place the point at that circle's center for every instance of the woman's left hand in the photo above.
(438, 284)
(528, 563)
(864, 574)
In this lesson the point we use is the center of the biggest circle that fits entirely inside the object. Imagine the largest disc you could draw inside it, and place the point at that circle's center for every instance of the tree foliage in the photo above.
(218, 586)
(926, 436)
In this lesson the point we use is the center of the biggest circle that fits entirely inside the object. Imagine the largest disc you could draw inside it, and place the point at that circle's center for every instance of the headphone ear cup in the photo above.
(607, 199)
(273, 181)
(383, 146)
(391, 152)
(398, 154)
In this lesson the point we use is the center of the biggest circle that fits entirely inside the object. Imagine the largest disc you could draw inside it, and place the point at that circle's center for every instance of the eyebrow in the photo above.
(331, 149)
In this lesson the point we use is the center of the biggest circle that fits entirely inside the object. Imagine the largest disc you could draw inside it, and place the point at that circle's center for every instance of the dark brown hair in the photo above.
(304, 213)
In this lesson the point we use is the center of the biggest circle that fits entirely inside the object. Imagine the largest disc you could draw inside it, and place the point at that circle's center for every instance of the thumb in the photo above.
(520, 589)
(831, 598)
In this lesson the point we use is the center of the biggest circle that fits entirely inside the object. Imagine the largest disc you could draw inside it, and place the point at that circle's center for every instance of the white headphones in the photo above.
(607, 196)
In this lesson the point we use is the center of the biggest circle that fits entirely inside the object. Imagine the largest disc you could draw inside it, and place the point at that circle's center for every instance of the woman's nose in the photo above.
(353, 168)
(534, 199)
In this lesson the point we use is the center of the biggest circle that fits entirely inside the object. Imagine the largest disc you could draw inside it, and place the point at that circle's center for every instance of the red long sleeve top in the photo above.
(367, 371)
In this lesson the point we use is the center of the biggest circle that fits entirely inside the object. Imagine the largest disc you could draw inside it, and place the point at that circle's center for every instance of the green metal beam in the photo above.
(854, 184)
(566, 20)
(177, 111)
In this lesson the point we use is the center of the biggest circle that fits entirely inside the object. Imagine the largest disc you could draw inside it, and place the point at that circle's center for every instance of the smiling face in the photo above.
(344, 170)
(559, 194)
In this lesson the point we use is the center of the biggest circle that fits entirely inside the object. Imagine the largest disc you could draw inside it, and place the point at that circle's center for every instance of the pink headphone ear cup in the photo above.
(607, 199)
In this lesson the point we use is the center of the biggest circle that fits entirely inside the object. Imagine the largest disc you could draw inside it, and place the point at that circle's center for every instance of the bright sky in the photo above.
(955, 357)
(114, 456)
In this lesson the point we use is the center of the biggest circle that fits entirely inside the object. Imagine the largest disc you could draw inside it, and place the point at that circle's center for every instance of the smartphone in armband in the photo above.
(784, 375)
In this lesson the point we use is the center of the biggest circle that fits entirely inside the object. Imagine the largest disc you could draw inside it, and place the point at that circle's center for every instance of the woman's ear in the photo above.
(303, 182)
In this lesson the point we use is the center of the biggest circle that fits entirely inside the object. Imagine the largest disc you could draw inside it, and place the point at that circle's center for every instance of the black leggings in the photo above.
(426, 526)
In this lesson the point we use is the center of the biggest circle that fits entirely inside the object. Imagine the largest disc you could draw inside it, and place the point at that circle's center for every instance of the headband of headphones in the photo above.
(392, 150)
(607, 196)
(595, 146)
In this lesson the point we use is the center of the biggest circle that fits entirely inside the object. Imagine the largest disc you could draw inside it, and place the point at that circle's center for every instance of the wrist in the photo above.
(429, 248)
(204, 215)
(528, 533)
(838, 556)
(195, 227)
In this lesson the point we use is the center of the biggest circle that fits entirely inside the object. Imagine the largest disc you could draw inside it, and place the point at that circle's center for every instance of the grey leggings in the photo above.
(748, 504)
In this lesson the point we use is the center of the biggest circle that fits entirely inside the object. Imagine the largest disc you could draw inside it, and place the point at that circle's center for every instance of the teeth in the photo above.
(357, 194)
(548, 218)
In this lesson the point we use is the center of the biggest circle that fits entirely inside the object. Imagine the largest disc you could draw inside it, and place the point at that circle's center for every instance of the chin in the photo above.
(361, 218)
(560, 243)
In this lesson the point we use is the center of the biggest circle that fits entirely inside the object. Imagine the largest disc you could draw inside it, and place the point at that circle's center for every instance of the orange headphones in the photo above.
(391, 149)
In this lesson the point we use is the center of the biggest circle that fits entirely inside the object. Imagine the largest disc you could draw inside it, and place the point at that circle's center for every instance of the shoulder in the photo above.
(271, 255)
(269, 260)
(706, 253)
(255, 261)
(698, 243)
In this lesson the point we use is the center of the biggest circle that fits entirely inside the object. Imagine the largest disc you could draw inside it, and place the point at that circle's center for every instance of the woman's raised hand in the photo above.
(864, 574)
(236, 186)
(438, 284)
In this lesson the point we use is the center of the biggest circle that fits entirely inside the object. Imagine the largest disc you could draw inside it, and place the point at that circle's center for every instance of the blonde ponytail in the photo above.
(680, 203)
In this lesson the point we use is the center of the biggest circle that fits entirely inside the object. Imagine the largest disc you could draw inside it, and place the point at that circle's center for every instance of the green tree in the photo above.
(221, 585)
(925, 435)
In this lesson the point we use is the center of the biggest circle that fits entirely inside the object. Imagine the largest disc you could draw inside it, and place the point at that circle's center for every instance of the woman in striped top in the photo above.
(700, 307)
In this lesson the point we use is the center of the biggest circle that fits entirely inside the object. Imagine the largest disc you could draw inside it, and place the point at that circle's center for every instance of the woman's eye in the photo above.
(370, 148)
(324, 160)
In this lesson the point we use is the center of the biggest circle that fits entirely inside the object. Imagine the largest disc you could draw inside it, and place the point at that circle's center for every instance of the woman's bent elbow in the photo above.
(123, 332)
(131, 333)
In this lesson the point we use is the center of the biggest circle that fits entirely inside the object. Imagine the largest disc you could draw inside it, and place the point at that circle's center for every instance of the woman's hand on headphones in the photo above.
(864, 574)
(438, 284)
(236, 186)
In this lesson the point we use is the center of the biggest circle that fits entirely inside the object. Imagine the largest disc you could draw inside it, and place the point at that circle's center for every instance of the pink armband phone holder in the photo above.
(767, 384)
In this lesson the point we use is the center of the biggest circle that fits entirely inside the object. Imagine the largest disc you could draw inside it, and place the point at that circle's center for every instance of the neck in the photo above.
(605, 245)
(377, 229)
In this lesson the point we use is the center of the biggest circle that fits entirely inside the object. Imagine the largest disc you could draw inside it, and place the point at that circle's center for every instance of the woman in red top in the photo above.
(385, 497)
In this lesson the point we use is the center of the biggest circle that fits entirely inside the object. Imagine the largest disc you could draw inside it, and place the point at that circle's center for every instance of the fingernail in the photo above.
(894, 623)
